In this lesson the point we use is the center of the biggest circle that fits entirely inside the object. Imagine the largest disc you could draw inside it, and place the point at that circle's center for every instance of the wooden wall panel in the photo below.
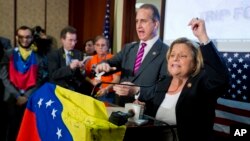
(88, 17)
(7, 19)
(129, 25)
(30, 13)
(57, 17)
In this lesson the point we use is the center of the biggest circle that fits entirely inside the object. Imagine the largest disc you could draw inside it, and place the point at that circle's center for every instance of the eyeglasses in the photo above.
(24, 37)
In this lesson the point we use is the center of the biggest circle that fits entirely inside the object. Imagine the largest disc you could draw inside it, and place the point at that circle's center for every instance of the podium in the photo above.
(152, 130)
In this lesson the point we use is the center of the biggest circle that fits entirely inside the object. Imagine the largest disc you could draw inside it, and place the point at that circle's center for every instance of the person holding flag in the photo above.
(22, 74)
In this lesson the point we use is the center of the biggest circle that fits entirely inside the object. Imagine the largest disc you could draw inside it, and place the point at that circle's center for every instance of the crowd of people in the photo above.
(172, 82)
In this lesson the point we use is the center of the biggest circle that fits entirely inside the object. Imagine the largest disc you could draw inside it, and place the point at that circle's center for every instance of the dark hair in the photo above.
(88, 41)
(24, 27)
(156, 15)
(68, 29)
(38, 30)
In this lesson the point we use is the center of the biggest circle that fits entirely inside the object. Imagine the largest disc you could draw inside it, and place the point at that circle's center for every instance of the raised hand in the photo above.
(199, 29)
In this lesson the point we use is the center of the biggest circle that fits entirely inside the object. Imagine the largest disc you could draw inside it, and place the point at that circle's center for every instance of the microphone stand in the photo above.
(104, 82)
(132, 85)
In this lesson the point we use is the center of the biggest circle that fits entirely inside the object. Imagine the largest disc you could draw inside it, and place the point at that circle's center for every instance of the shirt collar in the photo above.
(150, 42)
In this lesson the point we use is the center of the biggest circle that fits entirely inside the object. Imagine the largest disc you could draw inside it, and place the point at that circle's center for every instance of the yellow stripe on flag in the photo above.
(86, 118)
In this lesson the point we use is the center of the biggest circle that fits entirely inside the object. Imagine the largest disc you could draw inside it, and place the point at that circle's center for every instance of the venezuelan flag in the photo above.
(55, 113)
(23, 73)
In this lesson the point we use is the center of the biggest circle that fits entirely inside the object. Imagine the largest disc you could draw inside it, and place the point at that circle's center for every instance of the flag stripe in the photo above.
(64, 115)
(240, 112)
(234, 104)
(227, 122)
(23, 73)
(31, 133)
(23, 81)
(222, 128)
(231, 116)
(233, 107)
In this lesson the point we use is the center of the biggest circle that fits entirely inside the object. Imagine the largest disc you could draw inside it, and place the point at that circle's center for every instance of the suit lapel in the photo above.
(185, 90)
(76, 55)
(62, 56)
(132, 56)
(162, 89)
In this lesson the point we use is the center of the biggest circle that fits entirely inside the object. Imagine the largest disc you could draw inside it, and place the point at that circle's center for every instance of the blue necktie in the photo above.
(68, 58)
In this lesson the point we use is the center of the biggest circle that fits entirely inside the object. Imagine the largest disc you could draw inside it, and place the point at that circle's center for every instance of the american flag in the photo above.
(233, 108)
(106, 29)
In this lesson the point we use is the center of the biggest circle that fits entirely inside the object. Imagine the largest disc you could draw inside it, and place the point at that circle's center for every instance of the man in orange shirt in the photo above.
(105, 91)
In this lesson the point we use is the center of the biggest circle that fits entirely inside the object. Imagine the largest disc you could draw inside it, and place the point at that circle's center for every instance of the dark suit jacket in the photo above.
(61, 74)
(5, 42)
(1, 52)
(152, 68)
(195, 108)
(1, 64)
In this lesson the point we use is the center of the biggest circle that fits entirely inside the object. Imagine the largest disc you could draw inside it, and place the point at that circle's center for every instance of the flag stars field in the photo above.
(49, 103)
(59, 133)
(54, 113)
(40, 102)
(233, 108)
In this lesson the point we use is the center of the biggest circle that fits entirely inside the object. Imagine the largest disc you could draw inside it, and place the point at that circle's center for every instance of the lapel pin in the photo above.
(154, 53)
(189, 85)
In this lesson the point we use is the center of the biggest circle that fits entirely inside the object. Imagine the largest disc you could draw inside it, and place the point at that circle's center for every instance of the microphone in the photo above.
(133, 85)
(120, 118)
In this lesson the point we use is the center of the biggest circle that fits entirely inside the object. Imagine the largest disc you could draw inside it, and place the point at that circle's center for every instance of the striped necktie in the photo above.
(139, 56)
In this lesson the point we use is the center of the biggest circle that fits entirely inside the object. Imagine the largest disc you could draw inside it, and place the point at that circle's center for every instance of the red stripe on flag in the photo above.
(222, 134)
(237, 111)
(28, 130)
(227, 122)
(230, 113)
(23, 81)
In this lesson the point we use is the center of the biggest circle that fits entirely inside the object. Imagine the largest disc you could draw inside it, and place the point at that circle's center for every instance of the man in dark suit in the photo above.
(140, 67)
(5, 42)
(64, 64)
(3, 106)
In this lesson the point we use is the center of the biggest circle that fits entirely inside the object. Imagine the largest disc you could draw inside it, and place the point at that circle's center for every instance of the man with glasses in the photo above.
(21, 76)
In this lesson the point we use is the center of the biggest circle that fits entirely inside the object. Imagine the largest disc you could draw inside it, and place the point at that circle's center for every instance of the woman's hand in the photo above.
(199, 29)
(125, 90)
